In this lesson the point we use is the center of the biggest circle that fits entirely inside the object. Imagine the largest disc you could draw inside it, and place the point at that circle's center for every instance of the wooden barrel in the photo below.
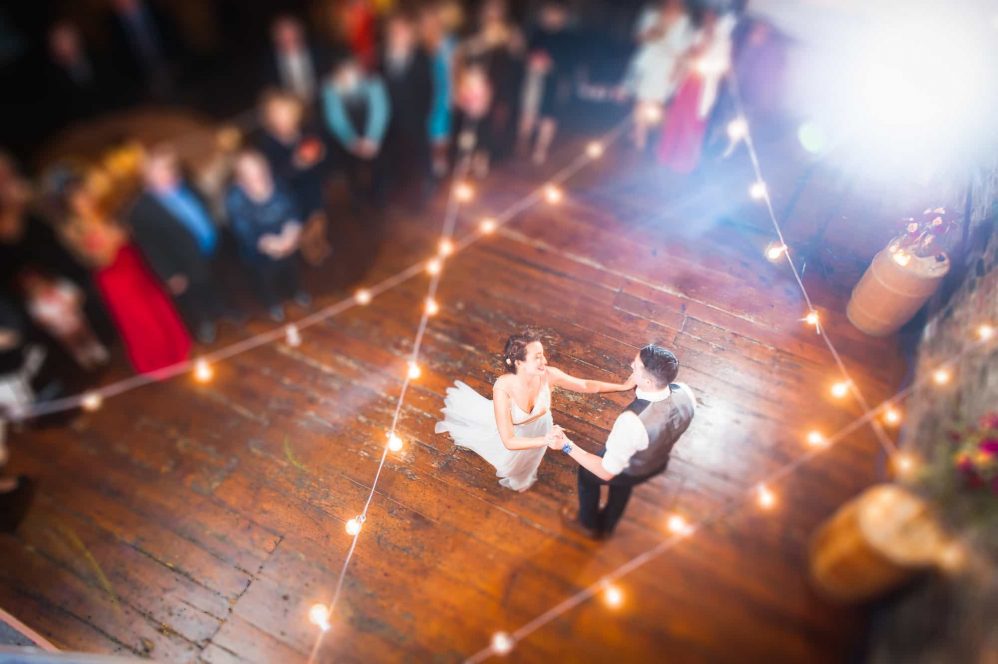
(890, 293)
(873, 543)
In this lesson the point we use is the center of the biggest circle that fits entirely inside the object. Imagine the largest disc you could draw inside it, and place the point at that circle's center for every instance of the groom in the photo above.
(638, 446)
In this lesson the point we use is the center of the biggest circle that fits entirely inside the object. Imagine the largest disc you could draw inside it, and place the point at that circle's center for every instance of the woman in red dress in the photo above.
(686, 119)
(147, 322)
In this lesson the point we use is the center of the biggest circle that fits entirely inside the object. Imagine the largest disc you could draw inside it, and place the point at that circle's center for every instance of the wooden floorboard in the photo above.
(193, 522)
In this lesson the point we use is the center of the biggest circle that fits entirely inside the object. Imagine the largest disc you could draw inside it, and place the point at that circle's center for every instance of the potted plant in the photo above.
(903, 276)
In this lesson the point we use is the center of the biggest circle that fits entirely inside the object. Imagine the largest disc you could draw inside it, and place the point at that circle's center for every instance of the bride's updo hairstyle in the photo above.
(516, 349)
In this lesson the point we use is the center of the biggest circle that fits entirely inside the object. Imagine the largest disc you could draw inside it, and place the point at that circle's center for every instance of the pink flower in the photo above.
(989, 446)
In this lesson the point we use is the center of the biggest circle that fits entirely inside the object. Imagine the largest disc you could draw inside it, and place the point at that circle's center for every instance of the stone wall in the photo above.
(952, 618)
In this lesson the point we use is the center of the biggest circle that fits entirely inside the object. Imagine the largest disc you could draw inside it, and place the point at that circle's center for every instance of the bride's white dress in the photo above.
(471, 422)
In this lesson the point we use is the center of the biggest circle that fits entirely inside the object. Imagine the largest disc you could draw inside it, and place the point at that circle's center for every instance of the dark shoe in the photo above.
(276, 313)
(206, 333)
(14, 504)
(303, 299)
(570, 519)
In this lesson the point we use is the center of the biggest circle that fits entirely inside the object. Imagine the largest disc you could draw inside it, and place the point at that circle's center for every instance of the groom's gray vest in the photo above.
(665, 421)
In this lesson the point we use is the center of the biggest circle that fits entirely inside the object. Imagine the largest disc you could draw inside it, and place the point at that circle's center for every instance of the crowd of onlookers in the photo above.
(380, 107)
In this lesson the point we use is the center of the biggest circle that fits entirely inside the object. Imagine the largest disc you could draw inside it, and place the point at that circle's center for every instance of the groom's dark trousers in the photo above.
(605, 520)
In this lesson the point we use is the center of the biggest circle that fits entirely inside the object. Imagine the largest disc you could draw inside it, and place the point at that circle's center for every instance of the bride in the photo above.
(512, 431)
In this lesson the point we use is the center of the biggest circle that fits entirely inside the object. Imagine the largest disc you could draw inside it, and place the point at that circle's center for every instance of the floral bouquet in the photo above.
(963, 477)
(922, 238)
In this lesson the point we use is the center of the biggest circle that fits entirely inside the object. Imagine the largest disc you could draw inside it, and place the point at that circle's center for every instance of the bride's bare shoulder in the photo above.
(502, 382)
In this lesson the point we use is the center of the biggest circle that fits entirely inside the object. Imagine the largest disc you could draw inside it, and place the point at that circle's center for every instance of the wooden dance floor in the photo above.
(189, 522)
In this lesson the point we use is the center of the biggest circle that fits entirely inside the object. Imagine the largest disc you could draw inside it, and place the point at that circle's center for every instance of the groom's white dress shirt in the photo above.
(629, 435)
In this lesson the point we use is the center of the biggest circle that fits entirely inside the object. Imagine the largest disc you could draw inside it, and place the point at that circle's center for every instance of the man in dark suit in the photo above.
(79, 85)
(145, 45)
(405, 68)
(180, 239)
(294, 65)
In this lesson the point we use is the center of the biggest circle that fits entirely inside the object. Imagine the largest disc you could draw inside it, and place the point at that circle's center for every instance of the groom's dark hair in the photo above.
(660, 363)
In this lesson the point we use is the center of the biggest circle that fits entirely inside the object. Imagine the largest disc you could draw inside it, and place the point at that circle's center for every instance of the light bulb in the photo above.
(318, 615)
(652, 113)
(363, 296)
(353, 525)
(394, 443)
(737, 129)
(91, 401)
(904, 462)
(765, 497)
(488, 225)
(811, 318)
(815, 439)
(612, 596)
(553, 194)
(892, 415)
(942, 376)
(758, 190)
(432, 308)
(840, 389)
(502, 643)
(292, 336)
(203, 371)
(594, 150)
(985, 332)
(464, 192)
(446, 247)
(414, 371)
(433, 266)
(774, 251)
(677, 525)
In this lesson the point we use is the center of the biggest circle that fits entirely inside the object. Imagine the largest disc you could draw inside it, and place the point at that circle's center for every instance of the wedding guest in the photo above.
(405, 68)
(294, 65)
(638, 446)
(77, 82)
(144, 45)
(153, 334)
(357, 21)
(296, 154)
(496, 47)
(440, 44)
(15, 393)
(664, 34)
(267, 225)
(706, 63)
(550, 54)
(28, 243)
(179, 237)
(357, 112)
(56, 306)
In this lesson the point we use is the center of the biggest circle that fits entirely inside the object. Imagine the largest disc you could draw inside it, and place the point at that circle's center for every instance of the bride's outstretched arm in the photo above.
(501, 403)
(559, 378)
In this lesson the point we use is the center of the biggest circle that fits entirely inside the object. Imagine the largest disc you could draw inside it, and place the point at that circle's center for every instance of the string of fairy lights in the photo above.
(677, 525)
(320, 614)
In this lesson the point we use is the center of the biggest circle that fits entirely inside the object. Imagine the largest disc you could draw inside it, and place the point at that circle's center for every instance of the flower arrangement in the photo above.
(922, 238)
(963, 478)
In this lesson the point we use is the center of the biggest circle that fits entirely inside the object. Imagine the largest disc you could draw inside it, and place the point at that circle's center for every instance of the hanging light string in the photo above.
(363, 296)
(321, 614)
(760, 191)
(761, 492)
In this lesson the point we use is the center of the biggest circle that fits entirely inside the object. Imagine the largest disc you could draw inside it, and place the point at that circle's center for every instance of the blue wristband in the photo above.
(567, 448)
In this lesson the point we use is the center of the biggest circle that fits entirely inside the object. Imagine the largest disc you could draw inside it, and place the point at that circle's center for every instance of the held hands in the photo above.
(556, 438)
